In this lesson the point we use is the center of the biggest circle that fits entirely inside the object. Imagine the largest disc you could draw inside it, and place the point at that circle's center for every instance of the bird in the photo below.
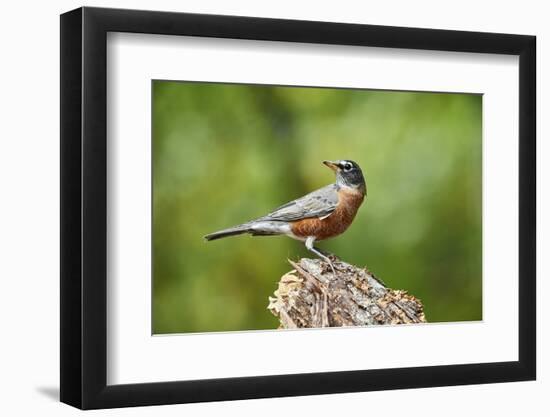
(319, 215)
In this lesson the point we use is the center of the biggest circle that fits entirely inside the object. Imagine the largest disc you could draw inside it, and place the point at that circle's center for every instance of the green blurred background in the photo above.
(224, 154)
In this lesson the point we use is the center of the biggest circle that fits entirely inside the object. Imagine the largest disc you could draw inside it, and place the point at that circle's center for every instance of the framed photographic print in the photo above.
(257, 207)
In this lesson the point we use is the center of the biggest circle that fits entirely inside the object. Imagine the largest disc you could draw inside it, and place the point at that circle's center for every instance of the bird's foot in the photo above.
(328, 263)
(333, 257)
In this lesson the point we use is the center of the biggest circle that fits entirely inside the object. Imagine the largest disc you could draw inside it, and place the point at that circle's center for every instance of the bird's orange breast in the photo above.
(349, 202)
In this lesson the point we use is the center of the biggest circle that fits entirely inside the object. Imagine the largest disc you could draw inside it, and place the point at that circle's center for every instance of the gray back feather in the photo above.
(319, 203)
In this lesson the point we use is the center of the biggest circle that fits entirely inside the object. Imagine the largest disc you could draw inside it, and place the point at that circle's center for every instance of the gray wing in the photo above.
(320, 203)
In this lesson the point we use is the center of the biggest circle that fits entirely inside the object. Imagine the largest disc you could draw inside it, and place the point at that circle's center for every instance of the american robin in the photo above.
(319, 215)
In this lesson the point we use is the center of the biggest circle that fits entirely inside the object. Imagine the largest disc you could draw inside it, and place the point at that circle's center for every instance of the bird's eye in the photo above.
(348, 166)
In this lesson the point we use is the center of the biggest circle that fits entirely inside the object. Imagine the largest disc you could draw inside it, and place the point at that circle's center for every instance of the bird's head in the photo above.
(348, 173)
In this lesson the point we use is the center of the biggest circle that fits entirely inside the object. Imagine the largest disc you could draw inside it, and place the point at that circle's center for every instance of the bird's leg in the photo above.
(329, 255)
(310, 247)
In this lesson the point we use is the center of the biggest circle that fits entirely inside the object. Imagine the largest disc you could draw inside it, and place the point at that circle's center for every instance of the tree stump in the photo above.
(311, 295)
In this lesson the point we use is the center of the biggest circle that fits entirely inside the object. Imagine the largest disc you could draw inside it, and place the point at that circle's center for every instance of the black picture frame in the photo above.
(84, 207)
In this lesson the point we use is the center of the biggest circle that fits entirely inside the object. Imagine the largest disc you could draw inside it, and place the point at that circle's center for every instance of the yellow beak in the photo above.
(332, 165)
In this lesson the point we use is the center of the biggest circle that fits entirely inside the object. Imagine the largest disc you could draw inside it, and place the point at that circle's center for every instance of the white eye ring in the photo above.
(347, 166)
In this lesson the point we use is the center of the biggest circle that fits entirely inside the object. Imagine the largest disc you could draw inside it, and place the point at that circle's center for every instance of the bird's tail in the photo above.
(232, 231)
(259, 227)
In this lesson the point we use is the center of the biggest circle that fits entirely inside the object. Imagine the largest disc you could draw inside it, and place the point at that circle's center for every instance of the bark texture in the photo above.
(312, 296)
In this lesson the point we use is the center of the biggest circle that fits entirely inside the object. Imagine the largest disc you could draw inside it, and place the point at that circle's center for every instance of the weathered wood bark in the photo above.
(312, 296)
